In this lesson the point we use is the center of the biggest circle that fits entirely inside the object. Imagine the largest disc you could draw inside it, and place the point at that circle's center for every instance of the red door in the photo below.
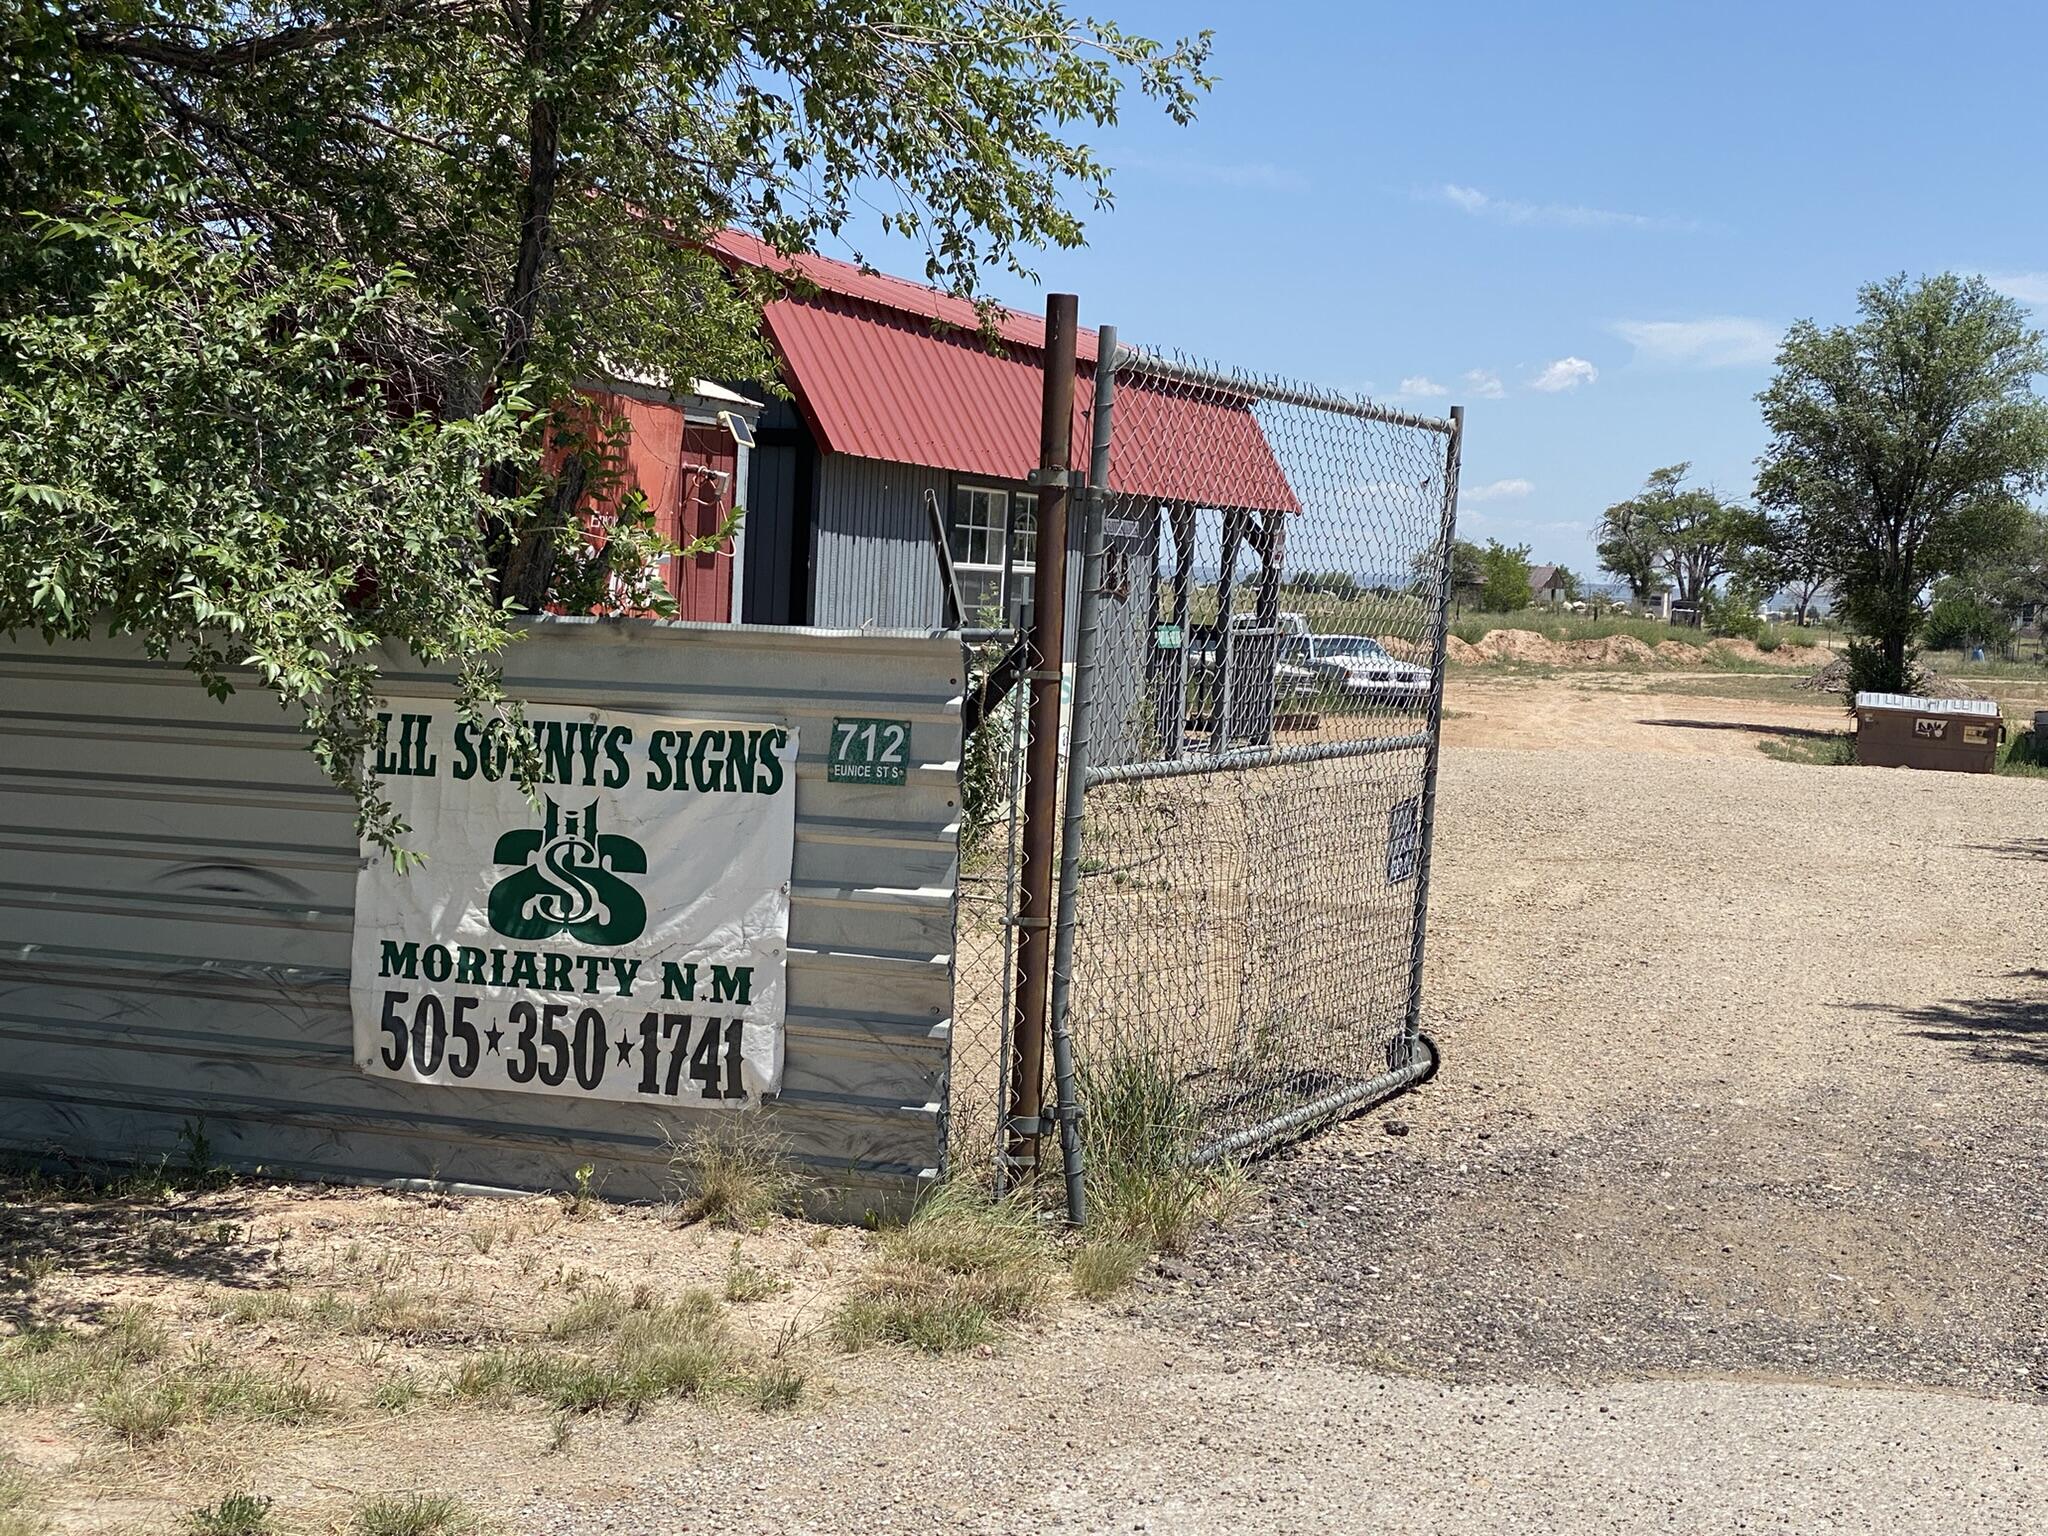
(686, 472)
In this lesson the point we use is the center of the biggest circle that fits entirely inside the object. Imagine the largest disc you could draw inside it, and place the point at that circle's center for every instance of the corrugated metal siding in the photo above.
(767, 529)
(873, 561)
(176, 896)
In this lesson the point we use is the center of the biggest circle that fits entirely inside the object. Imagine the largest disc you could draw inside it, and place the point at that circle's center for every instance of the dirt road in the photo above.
(1728, 1212)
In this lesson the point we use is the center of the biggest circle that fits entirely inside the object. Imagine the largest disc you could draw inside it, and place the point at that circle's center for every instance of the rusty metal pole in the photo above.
(1047, 653)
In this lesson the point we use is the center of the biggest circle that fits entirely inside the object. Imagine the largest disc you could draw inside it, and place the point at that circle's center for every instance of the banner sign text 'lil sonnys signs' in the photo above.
(622, 938)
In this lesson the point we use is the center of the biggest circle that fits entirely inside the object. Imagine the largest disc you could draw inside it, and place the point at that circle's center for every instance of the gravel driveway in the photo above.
(1728, 1212)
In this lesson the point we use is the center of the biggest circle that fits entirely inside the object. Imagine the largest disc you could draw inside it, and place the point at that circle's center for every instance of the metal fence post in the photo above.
(1411, 1032)
(1042, 749)
(1086, 639)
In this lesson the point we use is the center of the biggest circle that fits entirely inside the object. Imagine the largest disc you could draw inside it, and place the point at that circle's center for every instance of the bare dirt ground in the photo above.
(1727, 1212)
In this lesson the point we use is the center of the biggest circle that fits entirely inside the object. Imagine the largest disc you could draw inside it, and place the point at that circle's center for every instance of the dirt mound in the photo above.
(1410, 650)
(1462, 652)
(1523, 645)
(1679, 654)
(1799, 656)
(1611, 651)
(1742, 650)
(1832, 678)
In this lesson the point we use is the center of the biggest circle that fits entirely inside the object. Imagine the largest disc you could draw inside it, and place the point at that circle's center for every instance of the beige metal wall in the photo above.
(176, 891)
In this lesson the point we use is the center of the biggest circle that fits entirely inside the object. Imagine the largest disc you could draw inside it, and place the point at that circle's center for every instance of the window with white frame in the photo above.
(982, 515)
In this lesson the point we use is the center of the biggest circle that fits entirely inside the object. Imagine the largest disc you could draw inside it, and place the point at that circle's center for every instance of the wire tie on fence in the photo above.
(1030, 922)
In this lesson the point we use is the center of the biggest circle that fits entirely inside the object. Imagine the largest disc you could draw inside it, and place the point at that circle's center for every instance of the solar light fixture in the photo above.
(736, 424)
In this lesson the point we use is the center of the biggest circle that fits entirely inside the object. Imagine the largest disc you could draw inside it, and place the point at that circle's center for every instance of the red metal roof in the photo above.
(888, 369)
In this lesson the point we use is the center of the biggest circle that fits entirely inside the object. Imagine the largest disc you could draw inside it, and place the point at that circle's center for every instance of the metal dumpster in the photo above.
(1898, 730)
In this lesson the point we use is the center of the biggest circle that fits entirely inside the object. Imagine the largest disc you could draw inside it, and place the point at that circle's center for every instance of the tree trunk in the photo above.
(525, 560)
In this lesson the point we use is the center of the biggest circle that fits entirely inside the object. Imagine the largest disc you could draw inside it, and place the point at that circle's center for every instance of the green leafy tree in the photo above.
(1963, 615)
(476, 209)
(1788, 558)
(1686, 534)
(1468, 574)
(1504, 577)
(1629, 545)
(1907, 440)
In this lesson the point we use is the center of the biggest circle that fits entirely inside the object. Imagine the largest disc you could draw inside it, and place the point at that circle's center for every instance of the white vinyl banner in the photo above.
(621, 936)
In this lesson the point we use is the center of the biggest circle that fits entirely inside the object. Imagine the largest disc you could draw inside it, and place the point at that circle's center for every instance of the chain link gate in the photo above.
(1245, 857)
(1259, 748)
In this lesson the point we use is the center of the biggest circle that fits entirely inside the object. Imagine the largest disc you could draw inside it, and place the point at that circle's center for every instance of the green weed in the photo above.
(237, 1514)
(413, 1514)
(1139, 1134)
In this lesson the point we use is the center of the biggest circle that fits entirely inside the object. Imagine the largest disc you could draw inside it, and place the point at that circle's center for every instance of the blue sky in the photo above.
(1586, 223)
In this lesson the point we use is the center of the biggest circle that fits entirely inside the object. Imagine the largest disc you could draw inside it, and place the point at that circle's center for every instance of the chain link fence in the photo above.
(1256, 719)
(1261, 742)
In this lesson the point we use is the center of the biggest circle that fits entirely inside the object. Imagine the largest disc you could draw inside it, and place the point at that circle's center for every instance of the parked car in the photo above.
(1358, 667)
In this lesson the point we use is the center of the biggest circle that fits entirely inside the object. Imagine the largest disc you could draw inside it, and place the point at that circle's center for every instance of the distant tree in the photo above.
(1788, 558)
(1907, 441)
(1628, 544)
(1467, 573)
(1504, 577)
(1568, 584)
(1688, 534)
(1963, 615)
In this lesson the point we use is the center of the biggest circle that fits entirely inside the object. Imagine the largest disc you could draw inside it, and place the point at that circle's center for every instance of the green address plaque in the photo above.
(868, 751)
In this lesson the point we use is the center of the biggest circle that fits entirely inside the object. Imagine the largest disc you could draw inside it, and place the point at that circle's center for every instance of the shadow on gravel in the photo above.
(1746, 727)
(2008, 1031)
(2016, 848)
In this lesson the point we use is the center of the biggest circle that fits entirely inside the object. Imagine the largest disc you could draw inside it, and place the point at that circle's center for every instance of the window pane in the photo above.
(1025, 541)
(978, 525)
(981, 595)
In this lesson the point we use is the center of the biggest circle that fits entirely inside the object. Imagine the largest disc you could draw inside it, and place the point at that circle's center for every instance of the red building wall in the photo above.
(688, 473)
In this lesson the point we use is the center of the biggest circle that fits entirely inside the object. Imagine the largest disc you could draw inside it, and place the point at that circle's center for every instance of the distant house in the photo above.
(1548, 585)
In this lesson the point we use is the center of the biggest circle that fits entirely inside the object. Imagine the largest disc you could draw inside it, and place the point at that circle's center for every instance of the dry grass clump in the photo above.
(387, 1312)
(949, 1278)
(1139, 1133)
(635, 1350)
(1105, 1265)
(736, 1179)
(413, 1514)
(133, 1390)
(44, 1366)
(747, 1281)
(18, 1513)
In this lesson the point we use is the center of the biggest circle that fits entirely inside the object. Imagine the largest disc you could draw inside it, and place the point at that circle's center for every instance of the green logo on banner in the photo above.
(569, 882)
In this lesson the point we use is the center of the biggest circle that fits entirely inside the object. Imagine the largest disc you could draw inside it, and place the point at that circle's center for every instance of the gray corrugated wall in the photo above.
(872, 560)
(176, 893)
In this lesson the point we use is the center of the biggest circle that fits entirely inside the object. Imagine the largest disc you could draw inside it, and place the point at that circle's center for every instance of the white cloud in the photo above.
(1508, 210)
(1565, 373)
(1495, 490)
(1421, 387)
(2027, 287)
(1238, 175)
(1722, 341)
(1481, 384)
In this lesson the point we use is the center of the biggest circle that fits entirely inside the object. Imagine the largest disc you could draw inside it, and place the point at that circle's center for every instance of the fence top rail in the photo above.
(1177, 371)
